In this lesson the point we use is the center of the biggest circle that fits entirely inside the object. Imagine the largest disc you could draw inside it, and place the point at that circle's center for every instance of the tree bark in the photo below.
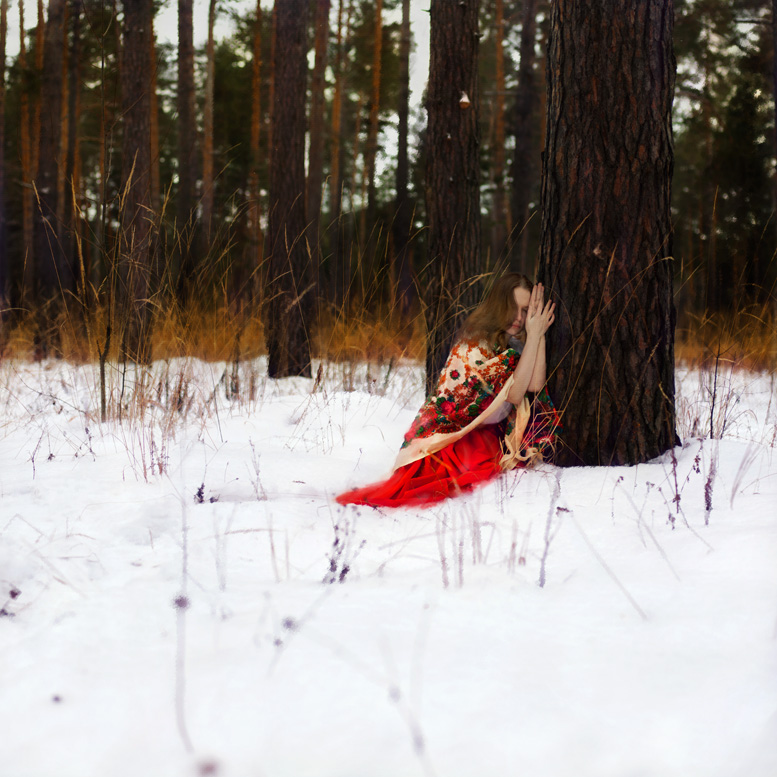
(523, 170)
(401, 274)
(54, 276)
(207, 134)
(371, 148)
(4, 268)
(25, 151)
(606, 252)
(136, 175)
(316, 153)
(187, 156)
(72, 176)
(289, 284)
(501, 224)
(254, 224)
(452, 177)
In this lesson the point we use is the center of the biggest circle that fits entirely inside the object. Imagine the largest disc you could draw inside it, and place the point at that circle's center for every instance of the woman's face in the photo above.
(522, 297)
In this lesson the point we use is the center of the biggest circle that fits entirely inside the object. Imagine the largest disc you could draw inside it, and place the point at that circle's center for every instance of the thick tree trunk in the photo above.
(289, 288)
(606, 232)
(452, 177)
(523, 170)
(187, 151)
(54, 275)
(136, 175)
(401, 273)
(316, 153)
(207, 134)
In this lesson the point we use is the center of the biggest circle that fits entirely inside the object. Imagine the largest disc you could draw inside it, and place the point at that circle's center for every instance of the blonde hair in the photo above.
(491, 319)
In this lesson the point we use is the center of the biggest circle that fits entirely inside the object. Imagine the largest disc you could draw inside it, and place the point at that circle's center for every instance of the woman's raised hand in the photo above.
(540, 315)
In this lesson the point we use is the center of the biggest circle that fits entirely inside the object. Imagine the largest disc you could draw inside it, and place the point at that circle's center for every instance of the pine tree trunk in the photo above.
(156, 184)
(25, 151)
(606, 231)
(4, 267)
(501, 225)
(71, 173)
(289, 288)
(401, 273)
(452, 177)
(523, 170)
(187, 156)
(136, 175)
(207, 134)
(371, 148)
(316, 153)
(53, 274)
(254, 212)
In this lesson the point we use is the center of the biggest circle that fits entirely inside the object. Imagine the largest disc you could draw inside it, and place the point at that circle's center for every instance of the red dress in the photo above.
(449, 448)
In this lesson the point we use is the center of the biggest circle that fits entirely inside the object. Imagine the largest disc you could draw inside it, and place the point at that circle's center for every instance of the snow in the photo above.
(149, 630)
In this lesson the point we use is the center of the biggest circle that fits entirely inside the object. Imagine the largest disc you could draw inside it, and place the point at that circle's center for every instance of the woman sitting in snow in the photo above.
(480, 420)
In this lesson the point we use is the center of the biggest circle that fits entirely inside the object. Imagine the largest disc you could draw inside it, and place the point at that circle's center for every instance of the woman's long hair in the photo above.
(490, 320)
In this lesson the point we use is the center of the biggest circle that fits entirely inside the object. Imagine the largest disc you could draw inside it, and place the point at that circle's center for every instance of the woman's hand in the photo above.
(540, 314)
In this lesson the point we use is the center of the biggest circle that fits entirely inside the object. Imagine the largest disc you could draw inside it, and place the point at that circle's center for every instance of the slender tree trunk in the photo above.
(339, 276)
(54, 276)
(156, 181)
(71, 172)
(401, 273)
(187, 156)
(606, 232)
(40, 47)
(289, 283)
(207, 134)
(452, 177)
(316, 153)
(25, 150)
(254, 212)
(501, 226)
(271, 96)
(523, 170)
(371, 148)
(136, 174)
(4, 268)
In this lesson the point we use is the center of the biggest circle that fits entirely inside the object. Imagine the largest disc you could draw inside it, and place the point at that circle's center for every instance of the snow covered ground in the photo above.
(180, 595)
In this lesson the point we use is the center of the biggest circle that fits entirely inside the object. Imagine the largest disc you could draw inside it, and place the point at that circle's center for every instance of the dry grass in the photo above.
(746, 339)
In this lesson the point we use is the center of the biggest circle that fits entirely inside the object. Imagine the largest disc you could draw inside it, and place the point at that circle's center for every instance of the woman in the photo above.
(479, 422)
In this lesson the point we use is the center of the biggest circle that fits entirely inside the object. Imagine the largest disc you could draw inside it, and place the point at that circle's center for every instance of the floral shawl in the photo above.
(473, 387)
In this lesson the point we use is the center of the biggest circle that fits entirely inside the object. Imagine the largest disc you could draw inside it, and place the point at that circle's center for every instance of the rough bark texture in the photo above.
(316, 153)
(289, 292)
(254, 224)
(187, 156)
(606, 232)
(72, 173)
(452, 177)
(371, 148)
(524, 165)
(53, 274)
(207, 133)
(501, 225)
(401, 274)
(25, 151)
(136, 174)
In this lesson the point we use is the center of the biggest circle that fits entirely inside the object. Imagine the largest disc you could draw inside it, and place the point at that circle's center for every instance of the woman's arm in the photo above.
(525, 369)
(538, 375)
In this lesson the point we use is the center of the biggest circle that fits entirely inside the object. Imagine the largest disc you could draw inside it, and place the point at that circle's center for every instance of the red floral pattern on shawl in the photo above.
(472, 377)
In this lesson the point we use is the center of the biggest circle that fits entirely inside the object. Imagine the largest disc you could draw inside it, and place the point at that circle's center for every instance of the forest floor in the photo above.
(180, 594)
